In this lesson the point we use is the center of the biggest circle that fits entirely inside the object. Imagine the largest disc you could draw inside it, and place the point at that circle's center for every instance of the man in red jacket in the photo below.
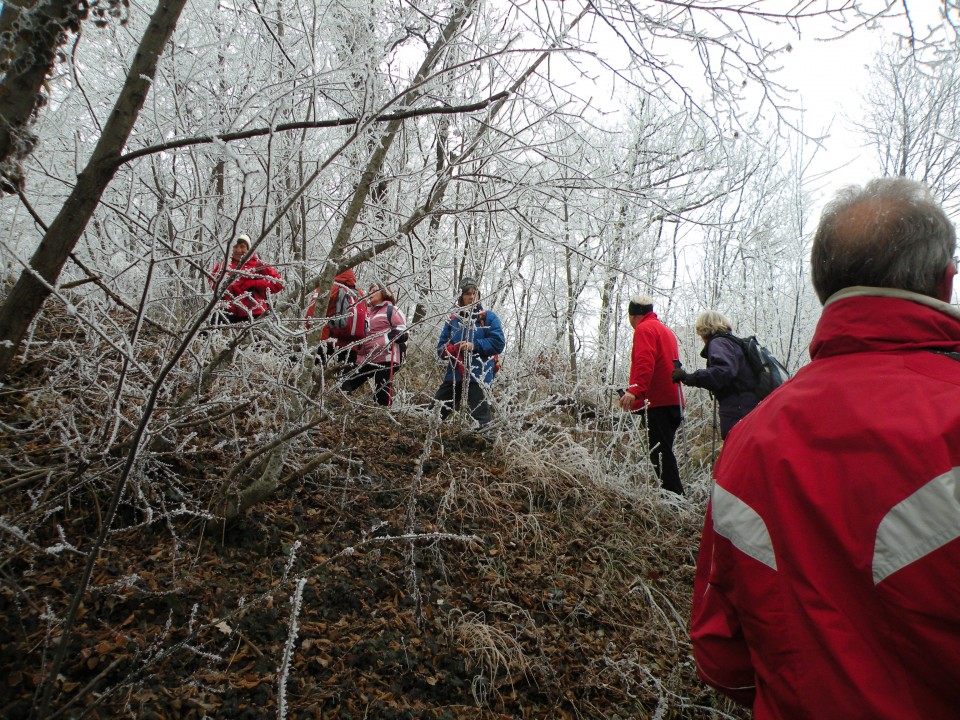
(829, 566)
(652, 393)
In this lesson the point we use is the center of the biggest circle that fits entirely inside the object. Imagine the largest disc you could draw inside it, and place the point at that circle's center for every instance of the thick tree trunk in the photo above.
(35, 283)
(32, 35)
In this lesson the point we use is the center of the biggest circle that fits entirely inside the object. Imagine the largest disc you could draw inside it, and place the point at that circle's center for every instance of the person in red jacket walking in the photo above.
(652, 393)
(249, 285)
(827, 578)
(346, 310)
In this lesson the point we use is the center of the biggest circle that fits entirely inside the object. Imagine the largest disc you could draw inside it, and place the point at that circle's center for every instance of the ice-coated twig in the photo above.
(284, 669)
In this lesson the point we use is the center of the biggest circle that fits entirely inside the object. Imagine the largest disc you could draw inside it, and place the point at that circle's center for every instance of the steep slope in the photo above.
(416, 570)
(414, 576)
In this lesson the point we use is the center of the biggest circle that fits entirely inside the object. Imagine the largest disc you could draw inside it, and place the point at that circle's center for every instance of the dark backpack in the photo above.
(398, 338)
(951, 355)
(349, 322)
(769, 372)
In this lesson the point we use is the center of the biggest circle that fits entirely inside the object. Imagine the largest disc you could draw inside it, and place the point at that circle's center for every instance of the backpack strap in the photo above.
(949, 354)
(392, 332)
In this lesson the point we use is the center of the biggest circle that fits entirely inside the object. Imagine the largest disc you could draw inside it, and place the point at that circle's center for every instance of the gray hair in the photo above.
(710, 323)
(640, 305)
(891, 233)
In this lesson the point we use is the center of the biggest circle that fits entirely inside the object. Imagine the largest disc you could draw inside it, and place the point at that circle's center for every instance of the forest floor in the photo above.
(418, 574)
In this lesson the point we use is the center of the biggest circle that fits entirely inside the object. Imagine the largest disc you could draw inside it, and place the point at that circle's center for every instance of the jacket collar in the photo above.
(865, 291)
(869, 319)
(471, 313)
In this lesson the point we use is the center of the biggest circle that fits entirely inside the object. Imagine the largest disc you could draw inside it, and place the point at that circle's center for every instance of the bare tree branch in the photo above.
(312, 125)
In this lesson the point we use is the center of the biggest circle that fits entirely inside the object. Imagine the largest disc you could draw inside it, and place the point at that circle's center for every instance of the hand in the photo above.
(627, 400)
(679, 375)
(465, 346)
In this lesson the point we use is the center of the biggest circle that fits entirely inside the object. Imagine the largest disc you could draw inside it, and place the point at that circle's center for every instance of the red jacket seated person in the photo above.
(246, 295)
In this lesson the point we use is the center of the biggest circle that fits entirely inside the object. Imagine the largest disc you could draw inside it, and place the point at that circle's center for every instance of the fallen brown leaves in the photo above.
(464, 591)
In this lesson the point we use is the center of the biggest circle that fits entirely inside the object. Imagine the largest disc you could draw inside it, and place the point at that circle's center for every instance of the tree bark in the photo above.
(337, 261)
(35, 33)
(36, 282)
(375, 164)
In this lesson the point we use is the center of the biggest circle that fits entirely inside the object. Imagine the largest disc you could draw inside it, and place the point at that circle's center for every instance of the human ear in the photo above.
(945, 286)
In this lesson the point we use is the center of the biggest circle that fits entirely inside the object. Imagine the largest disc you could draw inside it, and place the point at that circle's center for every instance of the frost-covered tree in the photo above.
(912, 116)
(416, 142)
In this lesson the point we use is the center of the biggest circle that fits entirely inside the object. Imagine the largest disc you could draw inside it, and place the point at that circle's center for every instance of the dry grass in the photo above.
(495, 653)
(541, 573)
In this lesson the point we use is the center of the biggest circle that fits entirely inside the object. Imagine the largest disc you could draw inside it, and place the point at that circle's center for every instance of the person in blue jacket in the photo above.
(727, 375)
(469, 344)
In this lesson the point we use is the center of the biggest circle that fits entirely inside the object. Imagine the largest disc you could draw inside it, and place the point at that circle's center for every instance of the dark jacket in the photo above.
(729, 377)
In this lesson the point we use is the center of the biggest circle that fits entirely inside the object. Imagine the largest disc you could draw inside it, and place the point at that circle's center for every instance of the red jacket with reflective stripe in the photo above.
(346, 277)
(828, 580)
(651, 364)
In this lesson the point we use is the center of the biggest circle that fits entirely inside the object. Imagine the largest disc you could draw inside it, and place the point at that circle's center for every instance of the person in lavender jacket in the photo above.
(728, 374)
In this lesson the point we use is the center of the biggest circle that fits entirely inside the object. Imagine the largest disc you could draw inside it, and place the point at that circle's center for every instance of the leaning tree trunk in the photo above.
(264, 479)
(267, 479)
(37, 281)
(374, 168)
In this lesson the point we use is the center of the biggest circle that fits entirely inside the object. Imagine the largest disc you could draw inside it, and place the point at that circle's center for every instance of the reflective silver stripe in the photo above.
(740, 524)
(918, 525)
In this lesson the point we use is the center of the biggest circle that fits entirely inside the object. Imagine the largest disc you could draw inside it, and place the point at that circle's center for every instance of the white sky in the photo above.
(831, 76)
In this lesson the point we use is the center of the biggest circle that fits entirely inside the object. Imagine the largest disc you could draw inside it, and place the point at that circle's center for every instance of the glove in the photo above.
(678, 375)
(453, 353)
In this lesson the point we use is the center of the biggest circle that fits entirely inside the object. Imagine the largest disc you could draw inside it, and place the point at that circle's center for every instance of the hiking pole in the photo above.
(713, 435)
(677, 365)
(390, 379)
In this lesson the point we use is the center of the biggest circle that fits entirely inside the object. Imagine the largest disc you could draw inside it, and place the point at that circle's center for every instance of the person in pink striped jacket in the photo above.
(380, 354)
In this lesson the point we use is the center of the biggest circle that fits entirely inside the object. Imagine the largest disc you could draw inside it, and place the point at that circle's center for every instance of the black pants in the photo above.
(329, 354)
(382, 381)
(450, 395)
(662, 424)
(220, 317)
